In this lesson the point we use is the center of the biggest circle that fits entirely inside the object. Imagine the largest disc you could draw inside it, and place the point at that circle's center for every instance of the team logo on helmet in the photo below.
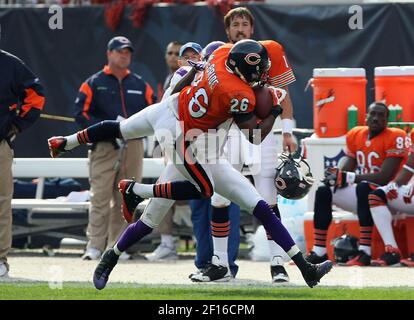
(280, 183)
(253, 59)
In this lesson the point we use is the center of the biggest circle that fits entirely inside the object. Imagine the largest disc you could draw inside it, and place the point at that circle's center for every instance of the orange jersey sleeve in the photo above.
(397, 143)
(411, 150)
(280, 73)
(350, 149)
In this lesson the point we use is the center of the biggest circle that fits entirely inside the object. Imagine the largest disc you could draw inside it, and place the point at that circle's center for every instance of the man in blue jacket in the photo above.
(113, 93)
(21, 99)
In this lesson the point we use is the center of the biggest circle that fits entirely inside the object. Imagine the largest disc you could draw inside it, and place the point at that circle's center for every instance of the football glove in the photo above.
(278, 95)
(335, 177)
(199, 66)
(391, 191)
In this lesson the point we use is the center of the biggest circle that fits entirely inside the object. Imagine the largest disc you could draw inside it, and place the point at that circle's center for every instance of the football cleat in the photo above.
(56, 146)
(313, 258)
(213, 272)
(361, 260)
(130, 200)
(104, 268)
(391, 257)
(314, 272)
(409, 262)
(279, 274)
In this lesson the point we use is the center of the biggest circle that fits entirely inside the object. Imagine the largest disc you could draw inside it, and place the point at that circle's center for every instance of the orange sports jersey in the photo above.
(280, 73)
(370, 154)
(216, 97)
(411, 142)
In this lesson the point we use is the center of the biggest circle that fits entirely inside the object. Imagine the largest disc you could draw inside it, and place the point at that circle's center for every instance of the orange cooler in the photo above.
(334, 90)
(395, 85)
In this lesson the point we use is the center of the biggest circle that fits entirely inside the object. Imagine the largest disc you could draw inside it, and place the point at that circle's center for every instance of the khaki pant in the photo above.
(106, 222)
(6, 194)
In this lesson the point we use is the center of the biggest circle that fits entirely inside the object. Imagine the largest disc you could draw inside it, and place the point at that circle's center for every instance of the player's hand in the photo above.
(199, 66)
(335, 177)
(278, 95)
(391, 191)
(407, 193)
(289, 143)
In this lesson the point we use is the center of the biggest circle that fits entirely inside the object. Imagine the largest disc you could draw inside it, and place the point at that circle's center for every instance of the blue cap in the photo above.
(191, 45)
(118, 43)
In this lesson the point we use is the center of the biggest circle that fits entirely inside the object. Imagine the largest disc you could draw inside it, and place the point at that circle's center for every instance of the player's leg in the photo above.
(366, 224)
(219, 269)
(264, 183)
(137, 126)
(345, 198)
(381, 208)
(152, 216)
(235, 187)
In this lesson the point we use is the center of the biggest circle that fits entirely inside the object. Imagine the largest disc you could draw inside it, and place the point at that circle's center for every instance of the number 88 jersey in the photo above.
(371, 153)
(216, 97)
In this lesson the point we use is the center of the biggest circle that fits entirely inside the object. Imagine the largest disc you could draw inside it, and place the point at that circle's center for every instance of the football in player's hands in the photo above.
(264, 101)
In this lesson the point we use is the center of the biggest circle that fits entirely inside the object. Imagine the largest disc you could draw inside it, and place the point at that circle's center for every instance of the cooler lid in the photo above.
(394, 71)
(338, 72)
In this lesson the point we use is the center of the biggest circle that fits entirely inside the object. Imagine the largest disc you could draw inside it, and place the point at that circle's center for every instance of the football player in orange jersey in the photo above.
(225, 219)
(377, 152)
(395, 197)
(182, 123)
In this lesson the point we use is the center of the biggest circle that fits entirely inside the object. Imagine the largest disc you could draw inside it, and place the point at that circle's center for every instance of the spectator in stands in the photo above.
(374, 154)
(21, 100)
(167, 249)
(171, 59)
(114, 93)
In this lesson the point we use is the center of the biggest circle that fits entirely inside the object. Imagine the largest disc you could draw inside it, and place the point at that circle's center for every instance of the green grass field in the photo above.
(83, 291)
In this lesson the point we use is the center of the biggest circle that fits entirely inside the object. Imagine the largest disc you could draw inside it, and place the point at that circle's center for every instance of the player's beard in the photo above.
(238, 37)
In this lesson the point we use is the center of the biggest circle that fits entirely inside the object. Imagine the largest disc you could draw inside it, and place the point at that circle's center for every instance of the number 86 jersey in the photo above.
(216, 97)
(371, 153)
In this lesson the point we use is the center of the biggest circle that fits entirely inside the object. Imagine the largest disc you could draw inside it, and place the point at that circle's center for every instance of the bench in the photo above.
(43, 168)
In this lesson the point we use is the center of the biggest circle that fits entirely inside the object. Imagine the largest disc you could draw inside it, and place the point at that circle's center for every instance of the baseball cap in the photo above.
(120, 42)
(190, 45)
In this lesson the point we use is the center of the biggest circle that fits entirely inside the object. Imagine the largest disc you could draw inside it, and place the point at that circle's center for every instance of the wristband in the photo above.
(287, 126)
(350, 177)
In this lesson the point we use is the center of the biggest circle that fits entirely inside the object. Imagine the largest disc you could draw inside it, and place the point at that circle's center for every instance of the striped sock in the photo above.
(176, 190)
(365, 239)
(320, 236)
(220, 230)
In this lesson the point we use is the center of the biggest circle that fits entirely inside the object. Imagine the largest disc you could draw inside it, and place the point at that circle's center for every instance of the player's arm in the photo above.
(407, 172)
(388, 170)
(289, 143)
(185, 81)
(255, 132)
(249, 124)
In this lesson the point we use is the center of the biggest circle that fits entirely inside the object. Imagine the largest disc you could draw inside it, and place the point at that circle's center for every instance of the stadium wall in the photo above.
(313, 36)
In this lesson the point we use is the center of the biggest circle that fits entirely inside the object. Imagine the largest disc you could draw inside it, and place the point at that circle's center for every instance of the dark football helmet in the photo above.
(249, 60)
(345, 248)
(293, 177)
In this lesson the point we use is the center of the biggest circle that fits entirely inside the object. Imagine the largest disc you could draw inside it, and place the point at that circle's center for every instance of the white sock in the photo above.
(276, 258)
(144, 190)
(168, 240)
(366, 249)
(220, 249)
(116, 250)
(320, 251)
(71, 141)
(383, 221)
